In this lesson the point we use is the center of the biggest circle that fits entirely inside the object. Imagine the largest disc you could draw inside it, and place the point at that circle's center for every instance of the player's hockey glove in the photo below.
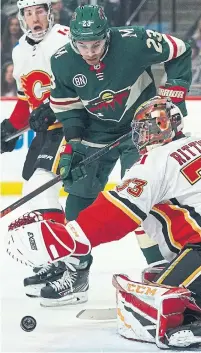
(7, 129)
(176, 90)
(41, 118)
(70, 156)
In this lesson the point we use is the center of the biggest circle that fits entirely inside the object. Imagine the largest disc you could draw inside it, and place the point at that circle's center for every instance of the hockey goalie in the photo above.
(162, 191)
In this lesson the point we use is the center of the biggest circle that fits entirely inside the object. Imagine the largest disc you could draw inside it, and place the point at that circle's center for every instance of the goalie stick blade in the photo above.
(98, 314)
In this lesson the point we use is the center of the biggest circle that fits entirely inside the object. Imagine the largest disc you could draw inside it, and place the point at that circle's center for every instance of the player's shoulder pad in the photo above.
(60, 54)
(17, 50)
(156, 158)
(161, 154)
(57, 37)
(135, 32)
(60, 61)
(61, 30)
(19, 44)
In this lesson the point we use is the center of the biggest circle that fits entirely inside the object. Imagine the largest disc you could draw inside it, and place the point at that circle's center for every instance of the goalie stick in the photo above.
(107, 314)
(54, 181)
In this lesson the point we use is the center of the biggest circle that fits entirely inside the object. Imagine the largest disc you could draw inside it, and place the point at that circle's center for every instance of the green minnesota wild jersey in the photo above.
(102, 99)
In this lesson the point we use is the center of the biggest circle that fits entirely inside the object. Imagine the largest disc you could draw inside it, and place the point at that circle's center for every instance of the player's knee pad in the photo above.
(146, 311)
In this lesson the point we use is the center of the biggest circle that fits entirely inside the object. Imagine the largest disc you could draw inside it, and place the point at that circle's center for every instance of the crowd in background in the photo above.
(195, 38)
(117, 14)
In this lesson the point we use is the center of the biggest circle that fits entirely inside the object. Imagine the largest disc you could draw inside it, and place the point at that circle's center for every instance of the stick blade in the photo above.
(98, 314)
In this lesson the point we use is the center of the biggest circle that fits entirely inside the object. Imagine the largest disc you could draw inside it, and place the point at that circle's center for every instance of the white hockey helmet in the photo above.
(22, 4)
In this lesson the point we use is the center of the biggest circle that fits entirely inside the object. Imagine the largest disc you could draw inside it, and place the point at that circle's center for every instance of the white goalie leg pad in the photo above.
(47, 241)
(146, 311)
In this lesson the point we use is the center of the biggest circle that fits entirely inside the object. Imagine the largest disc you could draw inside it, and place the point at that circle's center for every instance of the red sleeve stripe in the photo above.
(177, 46)
(174, 44)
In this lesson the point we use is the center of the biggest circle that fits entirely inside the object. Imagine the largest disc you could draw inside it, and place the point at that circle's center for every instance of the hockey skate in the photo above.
(50, 272)
(71, 288)
(185, 336)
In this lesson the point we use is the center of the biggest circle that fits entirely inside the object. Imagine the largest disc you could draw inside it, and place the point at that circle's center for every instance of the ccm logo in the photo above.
(32, 241)
(137, 288)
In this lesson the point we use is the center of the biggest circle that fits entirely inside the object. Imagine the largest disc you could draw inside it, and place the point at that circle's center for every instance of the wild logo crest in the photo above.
(109, 102)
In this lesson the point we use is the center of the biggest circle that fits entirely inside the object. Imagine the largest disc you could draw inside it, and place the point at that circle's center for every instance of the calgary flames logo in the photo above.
(36, 86)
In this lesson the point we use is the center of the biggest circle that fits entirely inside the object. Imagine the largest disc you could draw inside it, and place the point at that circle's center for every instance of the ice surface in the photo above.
(58, 329)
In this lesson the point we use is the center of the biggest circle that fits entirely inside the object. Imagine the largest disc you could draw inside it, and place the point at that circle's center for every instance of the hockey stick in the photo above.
(54, 181)
(98, 314)
(16, 134)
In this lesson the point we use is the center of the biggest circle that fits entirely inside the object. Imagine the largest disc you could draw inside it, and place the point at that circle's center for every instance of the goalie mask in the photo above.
(88, 23)
(155, 123)
(38, 35)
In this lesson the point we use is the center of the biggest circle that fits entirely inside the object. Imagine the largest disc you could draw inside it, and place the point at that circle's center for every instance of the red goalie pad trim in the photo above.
(57, 240)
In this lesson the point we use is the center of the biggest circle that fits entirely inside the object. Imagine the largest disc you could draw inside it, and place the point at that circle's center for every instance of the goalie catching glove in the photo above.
(46, 241)
(155, 313)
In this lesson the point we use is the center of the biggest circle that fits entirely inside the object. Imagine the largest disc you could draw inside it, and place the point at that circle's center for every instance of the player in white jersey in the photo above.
(31, 58)
(162, 191)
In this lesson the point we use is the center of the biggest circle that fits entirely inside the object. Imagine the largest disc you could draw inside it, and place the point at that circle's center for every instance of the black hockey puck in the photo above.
(28, 323)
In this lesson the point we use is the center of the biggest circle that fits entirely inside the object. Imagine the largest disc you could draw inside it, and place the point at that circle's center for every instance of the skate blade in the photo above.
(79, 298)
(33, 291)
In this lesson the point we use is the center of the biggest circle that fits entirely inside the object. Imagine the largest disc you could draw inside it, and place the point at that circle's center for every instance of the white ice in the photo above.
(58, 329)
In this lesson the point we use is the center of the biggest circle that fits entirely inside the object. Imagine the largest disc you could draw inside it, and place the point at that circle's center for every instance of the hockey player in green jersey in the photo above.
(98, 81)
